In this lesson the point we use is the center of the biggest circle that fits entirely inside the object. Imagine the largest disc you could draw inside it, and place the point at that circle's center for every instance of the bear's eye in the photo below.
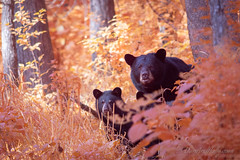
(151, 67)
(103, 101)
(110, 102)
(140, 66)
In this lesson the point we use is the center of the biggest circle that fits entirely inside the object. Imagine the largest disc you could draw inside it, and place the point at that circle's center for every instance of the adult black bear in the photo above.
(154, 71)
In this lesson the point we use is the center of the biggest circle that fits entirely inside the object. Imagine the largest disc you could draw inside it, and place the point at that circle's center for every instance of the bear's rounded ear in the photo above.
(140, 95)
(161, 54)
(97, 93)
(129, 59)
(117, 92)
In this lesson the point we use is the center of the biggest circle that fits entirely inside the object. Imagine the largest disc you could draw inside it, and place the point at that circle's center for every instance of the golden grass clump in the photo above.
(34, 126)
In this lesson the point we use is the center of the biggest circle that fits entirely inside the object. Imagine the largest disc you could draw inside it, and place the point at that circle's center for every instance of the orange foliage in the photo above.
(53, 127)
(209, 116)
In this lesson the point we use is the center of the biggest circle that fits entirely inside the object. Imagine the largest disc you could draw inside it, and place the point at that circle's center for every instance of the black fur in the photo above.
(122, 126)
(154, 71)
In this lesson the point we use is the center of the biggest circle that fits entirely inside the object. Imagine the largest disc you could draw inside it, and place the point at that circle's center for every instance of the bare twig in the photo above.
(53, 5)
(160, 16)
(87, 108)
(74, 4)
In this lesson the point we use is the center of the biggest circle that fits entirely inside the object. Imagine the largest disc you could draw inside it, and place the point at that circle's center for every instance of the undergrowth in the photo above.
(207, 119)
(34, 126)
(53, 126)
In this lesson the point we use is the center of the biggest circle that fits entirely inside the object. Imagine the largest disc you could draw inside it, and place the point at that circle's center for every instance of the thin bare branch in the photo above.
(160, 17)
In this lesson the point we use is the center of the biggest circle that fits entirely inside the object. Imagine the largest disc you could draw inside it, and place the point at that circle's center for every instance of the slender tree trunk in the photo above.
(225, 25)
(199, 27)
(24, 56)
(213, 26)
(102, 12)
(9, 54)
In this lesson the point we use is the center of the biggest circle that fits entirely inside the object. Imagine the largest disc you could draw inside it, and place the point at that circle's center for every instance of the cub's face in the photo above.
(106, 101)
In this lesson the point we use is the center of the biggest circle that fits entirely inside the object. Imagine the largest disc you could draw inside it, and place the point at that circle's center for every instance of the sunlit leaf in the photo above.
(137, 131)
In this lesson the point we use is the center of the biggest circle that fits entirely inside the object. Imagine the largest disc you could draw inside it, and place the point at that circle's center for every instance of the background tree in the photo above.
(28, 121)
(45, 48)
(9, 54)
(199, 27)
(102, 12)
(212, 25)
(225, 25)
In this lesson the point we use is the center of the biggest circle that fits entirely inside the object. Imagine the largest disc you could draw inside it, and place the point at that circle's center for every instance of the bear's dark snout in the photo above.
(107, 108)
(146, 76)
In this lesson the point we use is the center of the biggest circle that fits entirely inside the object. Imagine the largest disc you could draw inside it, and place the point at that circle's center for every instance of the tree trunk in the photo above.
(199, 27)
(24, 56)
(9, 54)
(225, 25)
(102, 12)
(213, 26)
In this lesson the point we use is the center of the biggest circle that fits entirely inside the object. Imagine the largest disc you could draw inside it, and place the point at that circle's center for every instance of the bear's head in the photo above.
(106, 101)
(148, 70)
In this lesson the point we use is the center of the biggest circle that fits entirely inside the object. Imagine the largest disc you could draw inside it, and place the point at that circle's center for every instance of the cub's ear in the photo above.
(161, 54)
(129, 59)
(97, 93)
(140, 95)
(117, 92)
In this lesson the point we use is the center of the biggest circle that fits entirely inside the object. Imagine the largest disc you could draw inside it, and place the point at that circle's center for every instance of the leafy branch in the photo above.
(25, 32)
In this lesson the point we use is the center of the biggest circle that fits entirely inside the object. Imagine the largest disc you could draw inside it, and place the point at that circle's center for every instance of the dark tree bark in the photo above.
(213, 26)
(102, 12)
(9, 54)
(199, 27)
(24, 56)
(225, 25)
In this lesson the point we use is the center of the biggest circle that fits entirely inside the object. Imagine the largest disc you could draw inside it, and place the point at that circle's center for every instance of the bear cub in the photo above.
(154, 71)
(111, 103)
(106, 102)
